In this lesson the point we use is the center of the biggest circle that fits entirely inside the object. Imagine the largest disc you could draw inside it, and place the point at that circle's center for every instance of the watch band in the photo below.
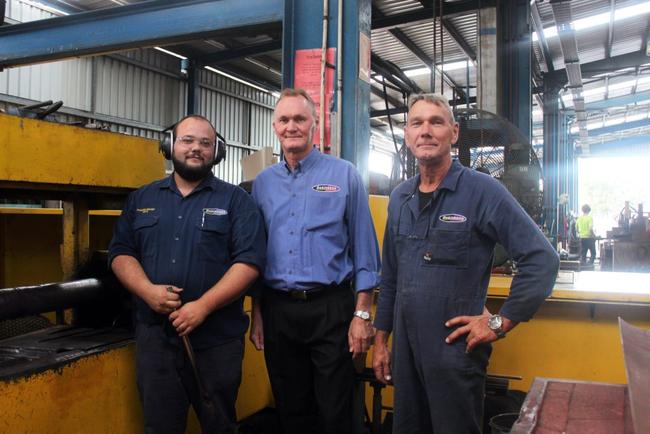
(495, 323)
(363, 314)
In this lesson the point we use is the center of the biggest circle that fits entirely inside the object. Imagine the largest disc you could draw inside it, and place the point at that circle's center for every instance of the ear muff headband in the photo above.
(166, 146)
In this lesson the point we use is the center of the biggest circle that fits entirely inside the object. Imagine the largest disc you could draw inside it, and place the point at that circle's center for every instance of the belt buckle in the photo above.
(298, 294)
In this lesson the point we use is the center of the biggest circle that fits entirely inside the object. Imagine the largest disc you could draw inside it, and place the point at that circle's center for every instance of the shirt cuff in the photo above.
(365, 280)
(251, 259)
(120, 252)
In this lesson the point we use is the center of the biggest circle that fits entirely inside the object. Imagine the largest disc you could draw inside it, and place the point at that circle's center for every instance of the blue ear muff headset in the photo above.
(166, 146)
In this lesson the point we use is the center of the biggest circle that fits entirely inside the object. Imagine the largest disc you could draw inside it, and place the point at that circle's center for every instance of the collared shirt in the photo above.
(318, 223)
(446, 249)
(190, 242)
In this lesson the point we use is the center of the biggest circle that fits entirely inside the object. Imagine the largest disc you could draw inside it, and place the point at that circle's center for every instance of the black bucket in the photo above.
(502, 423)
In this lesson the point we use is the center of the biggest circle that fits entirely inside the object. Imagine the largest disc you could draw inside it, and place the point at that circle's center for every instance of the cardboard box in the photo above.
(256, 162)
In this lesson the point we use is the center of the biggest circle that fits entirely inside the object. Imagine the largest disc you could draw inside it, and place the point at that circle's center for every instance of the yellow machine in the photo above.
(574, 335)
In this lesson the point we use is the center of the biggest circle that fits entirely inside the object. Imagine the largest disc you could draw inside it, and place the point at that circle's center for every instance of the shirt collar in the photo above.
(207, 182)
(449, 182)
(306, 163)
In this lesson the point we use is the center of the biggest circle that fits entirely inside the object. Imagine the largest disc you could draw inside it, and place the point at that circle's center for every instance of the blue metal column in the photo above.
(551, 156)
(515, 54)
(302, 29)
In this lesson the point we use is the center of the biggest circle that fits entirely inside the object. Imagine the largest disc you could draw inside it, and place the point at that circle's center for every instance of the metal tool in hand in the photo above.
(190, 355)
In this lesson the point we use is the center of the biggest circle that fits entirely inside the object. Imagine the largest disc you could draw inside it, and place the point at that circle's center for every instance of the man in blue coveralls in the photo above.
(321, 245)
(437, 255)
(187, 247)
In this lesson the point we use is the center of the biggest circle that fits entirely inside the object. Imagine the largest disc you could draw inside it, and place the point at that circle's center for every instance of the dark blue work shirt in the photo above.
(190, 242)
(445, 250)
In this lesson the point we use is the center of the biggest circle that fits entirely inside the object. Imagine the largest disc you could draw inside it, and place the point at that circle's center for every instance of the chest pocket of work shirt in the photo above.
(213, 244)
(144, 228)
(326, 215)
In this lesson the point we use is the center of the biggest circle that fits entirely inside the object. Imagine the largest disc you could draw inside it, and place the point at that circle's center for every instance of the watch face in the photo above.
(362, 314)
(494, 322)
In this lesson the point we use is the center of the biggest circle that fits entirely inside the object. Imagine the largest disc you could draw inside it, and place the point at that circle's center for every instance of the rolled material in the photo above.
(31, 300)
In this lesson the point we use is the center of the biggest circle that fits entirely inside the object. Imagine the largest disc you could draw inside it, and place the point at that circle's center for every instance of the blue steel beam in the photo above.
(619, 127)
(139, 25)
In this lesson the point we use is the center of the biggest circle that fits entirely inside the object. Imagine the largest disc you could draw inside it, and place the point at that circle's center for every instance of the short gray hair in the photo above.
(433, 98)
(299, 93)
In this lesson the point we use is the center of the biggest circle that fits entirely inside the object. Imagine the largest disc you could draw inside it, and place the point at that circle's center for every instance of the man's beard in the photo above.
(191, 173)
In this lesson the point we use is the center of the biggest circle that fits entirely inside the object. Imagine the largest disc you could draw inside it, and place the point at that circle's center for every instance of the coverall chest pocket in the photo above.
(144, 229)
(447, 248)
(214, 231)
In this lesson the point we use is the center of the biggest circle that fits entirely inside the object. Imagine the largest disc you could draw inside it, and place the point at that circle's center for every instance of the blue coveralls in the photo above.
(436, 265)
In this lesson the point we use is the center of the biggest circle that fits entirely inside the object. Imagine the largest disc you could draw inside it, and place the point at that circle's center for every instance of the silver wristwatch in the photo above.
(363, 314)
(495, 323)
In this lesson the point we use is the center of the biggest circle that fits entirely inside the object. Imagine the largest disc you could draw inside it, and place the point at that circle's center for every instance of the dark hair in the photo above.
(193, 116)
(586, 209)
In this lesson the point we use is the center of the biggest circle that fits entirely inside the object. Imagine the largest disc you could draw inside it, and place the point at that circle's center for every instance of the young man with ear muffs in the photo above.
(188, 246)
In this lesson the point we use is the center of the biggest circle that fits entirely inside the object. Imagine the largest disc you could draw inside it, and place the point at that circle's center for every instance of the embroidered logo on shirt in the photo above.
(326, 188)
(214, 211)
(145, 210)
(452, 218)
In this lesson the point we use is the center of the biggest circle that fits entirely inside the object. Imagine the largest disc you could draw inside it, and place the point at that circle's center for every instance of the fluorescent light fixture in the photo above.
(600, 19)
(614, 121)
(636, 117)
(568, 97)
(171, 53)
(452, 66)
(232, 77)
(416, 72)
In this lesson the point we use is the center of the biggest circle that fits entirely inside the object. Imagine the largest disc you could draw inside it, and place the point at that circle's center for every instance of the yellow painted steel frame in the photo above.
(574, 335)
(379, 212)
(97, 394)
(71, 399)
(35, 151)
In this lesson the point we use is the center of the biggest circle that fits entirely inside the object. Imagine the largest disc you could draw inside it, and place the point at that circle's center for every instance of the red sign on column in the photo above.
(307, 76)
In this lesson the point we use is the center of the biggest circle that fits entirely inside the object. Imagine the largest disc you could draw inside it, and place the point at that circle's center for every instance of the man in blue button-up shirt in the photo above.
(441, 230)
(187, 247)
(321, 243)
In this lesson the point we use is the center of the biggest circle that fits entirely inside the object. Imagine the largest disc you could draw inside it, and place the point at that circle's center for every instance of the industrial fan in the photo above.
(492, 144)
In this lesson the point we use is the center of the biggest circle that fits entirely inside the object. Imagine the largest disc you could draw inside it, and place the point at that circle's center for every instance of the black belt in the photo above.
(311, 293)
